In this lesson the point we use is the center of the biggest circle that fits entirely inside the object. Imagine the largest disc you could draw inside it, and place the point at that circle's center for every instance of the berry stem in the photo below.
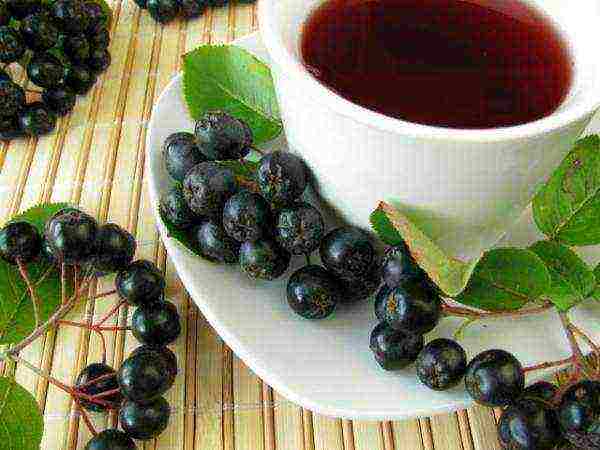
(472, 314)
(34, 298)
(549, 364)
(86, 419)
(106, 393)
(63, 283)
(257, 150)
(106, 376)
(307, 259)
(104, 294)
(577, 353)
(103, 342)
(595, 348)
(110, 313)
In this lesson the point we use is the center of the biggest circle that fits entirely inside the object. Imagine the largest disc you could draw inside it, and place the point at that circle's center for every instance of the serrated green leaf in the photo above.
(596, 292)
(384, 229)
(228, 78)
(38, 215)
(572, 279)
(21, 423)
(181, 236)
(568, 206)
(449, 274)
(506, 279)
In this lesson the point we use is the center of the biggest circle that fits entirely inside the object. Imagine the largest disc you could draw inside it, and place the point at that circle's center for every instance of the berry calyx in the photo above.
(144, 421)
(219, 135)
(107, 381)
(281, 177)
(19, 241)
(206, 188)
(140, 283)
(441, 364)
(71, 235)
(115, 248)
(529, 424)
(143, 377)
(246, 216)
(181, 154)
(394, 349)
(214, 244)
(111, 440)
(313, 292)
(157, 324)
(299, 228)
(263, 259)
(347, 252)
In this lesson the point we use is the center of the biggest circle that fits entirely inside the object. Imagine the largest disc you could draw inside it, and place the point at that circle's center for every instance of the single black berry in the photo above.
(529, 424)
(494, 378)
(60, 100)
(70, 16)
(111, 440)
(163, 11)
(77, 48)
(19, 9)
(246, 216)
(313, 292)
(221, 136)
(12, 98)
(39, 32)
(160, 352)
(399, 266)
(114, 248)
(144, 421)
(181, 154)
(80, 79)
(192, 8)
(441, 364)
(207, 187)
(19, 241)
(263, 259)
(36, 119)
(215, 244)
(46, 71)
(140, 283)
(96, 16)
(576, 416)
(299, 228)
(542, 390)
(358, 289)
(100, 37)
(12, 47)
(394, 349)
(281, 177)
(99, 60)
(98, 378)
(71, 234)
(347, 252)
(157, 324)
(174, 208)
(380, 302)
(144, 377)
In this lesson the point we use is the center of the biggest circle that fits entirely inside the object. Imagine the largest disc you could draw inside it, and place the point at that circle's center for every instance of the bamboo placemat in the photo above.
(96, 160)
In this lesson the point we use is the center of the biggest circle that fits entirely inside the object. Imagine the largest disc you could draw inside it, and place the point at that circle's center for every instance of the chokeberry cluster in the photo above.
(72, 238)
(63, 45)
(164, 11)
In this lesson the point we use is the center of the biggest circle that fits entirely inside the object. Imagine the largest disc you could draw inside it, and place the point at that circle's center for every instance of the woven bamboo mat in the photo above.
(96, 160)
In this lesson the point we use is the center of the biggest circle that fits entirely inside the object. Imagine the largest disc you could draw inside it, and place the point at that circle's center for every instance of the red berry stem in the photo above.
(86, 418)
(595, 348)
(473, 314)
(34, 298)
(577, 353)
(549, 364)
(104, 294)
(106, 376)
(106, 393)
(110, 313)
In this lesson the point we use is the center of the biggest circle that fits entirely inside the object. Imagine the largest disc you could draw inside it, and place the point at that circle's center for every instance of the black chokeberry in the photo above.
(80, 79)
(263, 259)
(246, 216)
(313, 292)
(12, 47)
(144, 377)
(100, 38)
(111, 439)
(19, 241)
(215, 244)
(494, 378)
(10, 128)
(12, 98)
(163, 11)
(358, 289)
(299, 228)
(160, 352)
(529, 424)
(174, 208)
(541, 390)
(576, 416)
(157, 324)
(99, 60)
(61, 100)
(399, 266)
(192, 8)
(140, 283)
(39, 32)
(281, 177)
(144, 421)
(98, 378)
(114, 248)
(96, 16)
(348, 252)
(70, 15)
(394, 349)
(181, 154)
(221, 136)
(207, 187)
(36, 119)
(77, 48)
(46, 70)
(441, 364)
(380, 302)
(19, 9)
(71, 234)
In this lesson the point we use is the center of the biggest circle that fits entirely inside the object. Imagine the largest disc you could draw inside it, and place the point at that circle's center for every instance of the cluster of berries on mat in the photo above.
(538, 417)
(165, 11)
(63, 47)
(74, 239)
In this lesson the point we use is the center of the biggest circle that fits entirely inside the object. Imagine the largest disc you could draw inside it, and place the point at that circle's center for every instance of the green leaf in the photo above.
(506, 279)
(21, 423)
(38, 215)
(182, 236)
(568, 206)
(572, 280)
(449, 274)
(228, 78)
(596, 292)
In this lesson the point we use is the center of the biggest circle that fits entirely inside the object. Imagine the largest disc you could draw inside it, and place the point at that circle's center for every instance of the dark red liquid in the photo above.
(450, 63)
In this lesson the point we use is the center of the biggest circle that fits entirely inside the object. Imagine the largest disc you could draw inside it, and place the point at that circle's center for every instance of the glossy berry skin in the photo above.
(163, 11)
(215, 244)
(263, 259)
(192, 8)
(71, 234)
(19, 241)
(12, 98)
(299, 228)
(181, 154)
(96, 16)
(115, 248)
(60, 101)
(157, 324)
(140, 283)
(576, 416)
(144, 377)
(394, 349)
(99, 60)
(541, 390)
(399, 266)
(160, 352)
(36, 119)
(281, 177)
(174, 208)
(147, 421)
(413, 307)
(70, 16)
(207, 187)
(100, 38)
(39, 32)
(84, 384)
(380, 302)
(494, 378)
(80, 79)
(246, 216)
(77, 48)
(19, 9)
(313, 292)
(347, 252)
(12, 47)
(360, 289)
(441, 364)
(221, 136)
(111, 440)
(45, 70)
(529, 424)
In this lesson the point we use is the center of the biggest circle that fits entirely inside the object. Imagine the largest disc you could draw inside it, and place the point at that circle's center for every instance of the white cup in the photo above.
(464, 187)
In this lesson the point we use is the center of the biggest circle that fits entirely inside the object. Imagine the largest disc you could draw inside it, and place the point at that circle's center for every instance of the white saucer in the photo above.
(326, 366)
